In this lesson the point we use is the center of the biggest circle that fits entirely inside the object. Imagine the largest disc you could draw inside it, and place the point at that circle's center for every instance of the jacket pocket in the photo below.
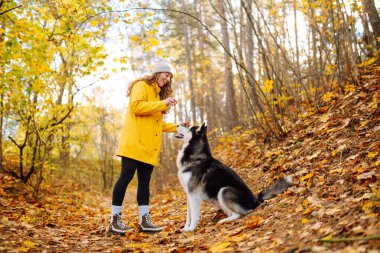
(145, 131)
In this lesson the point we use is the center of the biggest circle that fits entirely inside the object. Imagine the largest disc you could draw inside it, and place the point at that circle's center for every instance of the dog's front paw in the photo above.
(188, 229)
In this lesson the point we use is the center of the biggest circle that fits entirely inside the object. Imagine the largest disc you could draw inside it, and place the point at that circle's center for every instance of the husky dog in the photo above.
(206, 179)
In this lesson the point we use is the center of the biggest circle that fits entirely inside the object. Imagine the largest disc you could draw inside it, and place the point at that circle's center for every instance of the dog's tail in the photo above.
(275, 188)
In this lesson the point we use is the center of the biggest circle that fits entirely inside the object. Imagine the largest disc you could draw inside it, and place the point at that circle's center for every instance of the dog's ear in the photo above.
(204, 128)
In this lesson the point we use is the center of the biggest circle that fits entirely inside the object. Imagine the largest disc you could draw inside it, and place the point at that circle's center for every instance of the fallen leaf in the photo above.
(29, 244)
(313, 155)
(308, 176)
(333, 211)
(254, 222)
(220, 247)
(366, 175)
(336, 171)
(372, 154)
(307, 211)
(352, 157)
(316, 226)
(327, 237)
(238, 238)
(137, 245)
(299, 208)
(319, 248)
(22, 249)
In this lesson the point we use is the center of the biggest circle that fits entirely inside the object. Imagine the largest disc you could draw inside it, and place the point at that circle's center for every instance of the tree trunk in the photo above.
(189, 67)
(1, 108)
(367, 36)
(315, 62)
(296, 33)
(232, 116)
(1, 130)
(374, 19)
(212, 105)
(201, 94)
(250, 63)
(351, 40)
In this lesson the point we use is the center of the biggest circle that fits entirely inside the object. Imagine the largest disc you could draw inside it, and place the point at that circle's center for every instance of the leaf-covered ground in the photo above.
(333, 157)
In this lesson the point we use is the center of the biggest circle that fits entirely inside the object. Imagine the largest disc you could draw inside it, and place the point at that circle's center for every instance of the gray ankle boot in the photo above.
(146, 225)
(117, 227)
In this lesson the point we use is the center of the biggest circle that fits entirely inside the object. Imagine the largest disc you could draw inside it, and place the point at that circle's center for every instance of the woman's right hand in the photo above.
(170, 101)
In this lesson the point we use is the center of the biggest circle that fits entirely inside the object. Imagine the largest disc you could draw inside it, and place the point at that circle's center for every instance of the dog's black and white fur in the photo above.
(206, 179)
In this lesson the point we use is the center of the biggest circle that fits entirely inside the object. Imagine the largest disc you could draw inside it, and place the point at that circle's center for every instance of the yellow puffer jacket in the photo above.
(143, 126)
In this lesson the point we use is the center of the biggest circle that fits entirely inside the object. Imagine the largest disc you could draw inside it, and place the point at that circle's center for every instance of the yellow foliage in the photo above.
(152, 32)
(268, 86)
(330, 69)
(368, 62)
(349, 88)
(153, 42)
(157, 23)
(373, 103)
(159, 52)
(135, 38)
(123, 59)
(327, 97)
(93, 22)
(273, 12)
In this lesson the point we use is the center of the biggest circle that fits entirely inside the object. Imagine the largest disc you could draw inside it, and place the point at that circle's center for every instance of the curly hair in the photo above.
(165, 92)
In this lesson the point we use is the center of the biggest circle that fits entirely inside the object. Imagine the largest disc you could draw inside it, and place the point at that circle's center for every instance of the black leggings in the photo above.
(128, 169)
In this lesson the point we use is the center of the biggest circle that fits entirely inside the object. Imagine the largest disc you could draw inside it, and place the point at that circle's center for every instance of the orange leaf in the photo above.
(254, 222)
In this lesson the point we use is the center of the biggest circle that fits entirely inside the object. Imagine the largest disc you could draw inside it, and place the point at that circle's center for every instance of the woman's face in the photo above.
(163, 79)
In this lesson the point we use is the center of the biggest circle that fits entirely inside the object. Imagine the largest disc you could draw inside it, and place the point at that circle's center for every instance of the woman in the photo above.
(140, 144)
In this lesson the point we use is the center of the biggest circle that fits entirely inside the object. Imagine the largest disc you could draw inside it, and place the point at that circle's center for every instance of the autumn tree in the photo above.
(41, 62)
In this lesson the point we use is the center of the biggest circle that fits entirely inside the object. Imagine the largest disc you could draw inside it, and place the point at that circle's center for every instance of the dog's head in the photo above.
(188, 133)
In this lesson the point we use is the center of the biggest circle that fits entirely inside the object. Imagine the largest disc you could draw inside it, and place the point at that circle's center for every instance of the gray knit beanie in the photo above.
(161, 66)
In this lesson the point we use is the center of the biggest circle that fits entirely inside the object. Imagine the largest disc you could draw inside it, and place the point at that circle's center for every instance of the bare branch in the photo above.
(1, 13)
(14, 141)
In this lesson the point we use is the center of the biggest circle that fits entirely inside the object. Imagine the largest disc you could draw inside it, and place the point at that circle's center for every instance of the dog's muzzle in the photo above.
(178, 136)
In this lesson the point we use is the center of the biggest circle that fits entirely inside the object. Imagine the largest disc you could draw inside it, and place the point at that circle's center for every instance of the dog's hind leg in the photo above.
(233, 216)
(225, 200)
(195, 207)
